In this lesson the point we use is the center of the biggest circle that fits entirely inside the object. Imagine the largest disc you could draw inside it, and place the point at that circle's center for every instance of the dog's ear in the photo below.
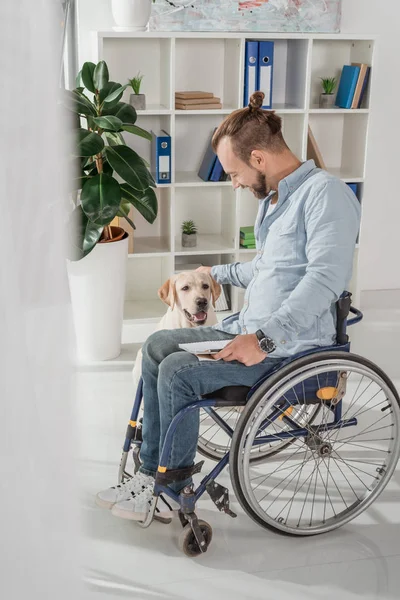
(215, 290)
(166, 293)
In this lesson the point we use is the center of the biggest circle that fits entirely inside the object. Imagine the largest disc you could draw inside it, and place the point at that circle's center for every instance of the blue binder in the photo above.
(161, 156)
(347, 86)
(250, 70)
(217, 171)
(208, 161)
(266, 71)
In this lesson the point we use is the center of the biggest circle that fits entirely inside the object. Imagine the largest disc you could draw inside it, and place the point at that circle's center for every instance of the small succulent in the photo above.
(328, 84)
(189, 227)
(136, 82)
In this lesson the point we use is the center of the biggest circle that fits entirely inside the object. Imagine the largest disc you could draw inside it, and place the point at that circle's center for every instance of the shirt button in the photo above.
(283, 342)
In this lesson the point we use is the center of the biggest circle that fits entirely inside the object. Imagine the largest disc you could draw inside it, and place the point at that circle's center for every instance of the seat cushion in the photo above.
(231, 395)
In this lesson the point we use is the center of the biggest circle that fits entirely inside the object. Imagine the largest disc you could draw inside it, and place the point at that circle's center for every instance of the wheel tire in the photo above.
(187, 542)
(258, 395)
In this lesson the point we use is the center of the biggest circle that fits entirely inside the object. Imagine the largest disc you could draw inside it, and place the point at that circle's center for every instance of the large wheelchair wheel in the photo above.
(337, 466)
(214, 442)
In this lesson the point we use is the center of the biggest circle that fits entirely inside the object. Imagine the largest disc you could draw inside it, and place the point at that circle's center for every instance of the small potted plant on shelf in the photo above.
(327, 97)
(99, 245)
(189, 234)
(137, 100)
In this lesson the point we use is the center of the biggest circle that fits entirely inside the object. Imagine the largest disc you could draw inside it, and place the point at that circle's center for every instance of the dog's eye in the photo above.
(205, 286)
(185, 289)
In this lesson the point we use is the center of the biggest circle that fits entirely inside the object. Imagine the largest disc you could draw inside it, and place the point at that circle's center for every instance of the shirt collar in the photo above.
(290, 183)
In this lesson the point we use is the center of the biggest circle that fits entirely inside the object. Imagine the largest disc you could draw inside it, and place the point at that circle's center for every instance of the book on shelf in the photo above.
(361, 86)
(208, 161)
(197, 101)
(211, 168)
(258, 70)
(246, 232)
(347, 86)
(193, 95)
(213, 106)
(313, 151)
(161, 156)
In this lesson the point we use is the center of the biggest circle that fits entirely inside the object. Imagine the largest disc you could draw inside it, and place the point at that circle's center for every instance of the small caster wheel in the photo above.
(136, 459)
(188, 543)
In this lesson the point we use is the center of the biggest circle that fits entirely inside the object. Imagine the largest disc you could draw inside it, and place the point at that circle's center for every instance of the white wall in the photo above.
(379, 266)
(379, 253)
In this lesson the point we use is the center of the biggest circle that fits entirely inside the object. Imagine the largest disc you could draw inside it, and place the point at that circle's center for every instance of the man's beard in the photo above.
(261, 188)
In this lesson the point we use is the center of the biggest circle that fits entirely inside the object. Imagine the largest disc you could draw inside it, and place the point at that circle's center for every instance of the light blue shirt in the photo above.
(304, 260)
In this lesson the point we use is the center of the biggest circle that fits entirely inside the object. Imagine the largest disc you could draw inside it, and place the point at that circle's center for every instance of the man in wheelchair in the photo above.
(305, 231)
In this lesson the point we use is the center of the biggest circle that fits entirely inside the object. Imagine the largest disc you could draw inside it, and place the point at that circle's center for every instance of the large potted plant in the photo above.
(112, 177)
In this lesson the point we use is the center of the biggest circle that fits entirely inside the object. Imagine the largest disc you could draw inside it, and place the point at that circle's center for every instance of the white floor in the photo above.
(243, 561)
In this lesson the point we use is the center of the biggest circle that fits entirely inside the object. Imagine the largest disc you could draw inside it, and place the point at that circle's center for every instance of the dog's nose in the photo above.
(201, 302)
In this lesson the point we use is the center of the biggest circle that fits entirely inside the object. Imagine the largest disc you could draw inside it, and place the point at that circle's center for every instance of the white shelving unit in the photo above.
(215, 62)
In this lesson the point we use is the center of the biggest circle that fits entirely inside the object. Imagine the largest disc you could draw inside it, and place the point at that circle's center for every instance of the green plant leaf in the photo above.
(78, 103)
(78, 79)
(125, 112)
(106, 169)
(100, 198)
(87, 76)
(108, 123)
(110, 87)
(114, 95)
(83, 234)
(137, 131)
(124, 211)
(128, 164)
(100, 75)
(146, 202)
(114, 138)
(89, 143)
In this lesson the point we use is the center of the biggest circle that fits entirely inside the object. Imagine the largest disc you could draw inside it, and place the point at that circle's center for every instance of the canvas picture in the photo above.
(309, 16)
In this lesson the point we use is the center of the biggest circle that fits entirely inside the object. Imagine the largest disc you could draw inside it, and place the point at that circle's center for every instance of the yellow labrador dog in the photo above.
(191, 297)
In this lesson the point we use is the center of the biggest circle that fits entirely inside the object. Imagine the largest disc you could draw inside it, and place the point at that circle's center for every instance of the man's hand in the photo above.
(204, 270)
(243, 348)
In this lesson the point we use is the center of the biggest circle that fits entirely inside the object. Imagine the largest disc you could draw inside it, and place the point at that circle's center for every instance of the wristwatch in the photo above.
(266, 344)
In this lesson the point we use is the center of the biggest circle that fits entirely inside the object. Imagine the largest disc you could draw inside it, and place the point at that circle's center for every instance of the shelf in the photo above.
(150, 246)
(137, 310)
(336, 110)
(289, 78)
(328, 58)
(344, 174)
(191, 179)
(225, 110)
(126, 56)
(342, 143)
(210, 65)
(155, 109)
(206, 244)
(287, 108)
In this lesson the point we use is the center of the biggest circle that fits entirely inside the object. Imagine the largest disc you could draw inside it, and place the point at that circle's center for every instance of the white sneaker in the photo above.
(139, 482)
(138, 506)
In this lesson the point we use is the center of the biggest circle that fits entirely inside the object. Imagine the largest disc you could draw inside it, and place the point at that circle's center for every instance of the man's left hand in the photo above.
(245, 349)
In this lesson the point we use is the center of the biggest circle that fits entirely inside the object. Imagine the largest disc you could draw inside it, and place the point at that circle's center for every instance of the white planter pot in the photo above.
(132, 15)
(97, 286)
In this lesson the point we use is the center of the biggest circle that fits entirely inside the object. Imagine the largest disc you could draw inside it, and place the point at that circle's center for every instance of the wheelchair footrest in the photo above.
(172, 475)
(220, 496)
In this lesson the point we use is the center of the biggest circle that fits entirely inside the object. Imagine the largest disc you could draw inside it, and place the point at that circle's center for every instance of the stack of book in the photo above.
(211, 168)
(196, 101)
(247, 238)
(353, 85)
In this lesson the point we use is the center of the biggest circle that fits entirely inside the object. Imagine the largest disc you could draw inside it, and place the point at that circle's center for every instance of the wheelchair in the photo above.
(310, 446)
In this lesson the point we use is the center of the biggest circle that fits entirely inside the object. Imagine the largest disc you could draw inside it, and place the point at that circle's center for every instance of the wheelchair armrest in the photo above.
(359, 316)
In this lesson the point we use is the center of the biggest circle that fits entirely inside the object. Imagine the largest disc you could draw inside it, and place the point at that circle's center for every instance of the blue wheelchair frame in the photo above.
(188, 501)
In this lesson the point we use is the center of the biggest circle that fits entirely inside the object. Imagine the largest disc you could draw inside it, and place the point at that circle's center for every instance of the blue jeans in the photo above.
(172, 379)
